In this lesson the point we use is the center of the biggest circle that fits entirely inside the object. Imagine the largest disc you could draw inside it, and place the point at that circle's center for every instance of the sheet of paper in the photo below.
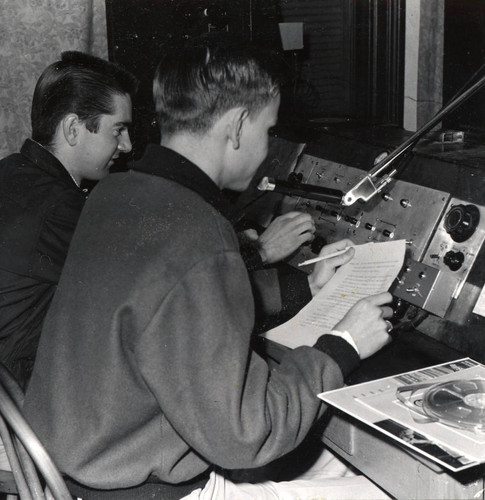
(371, 271)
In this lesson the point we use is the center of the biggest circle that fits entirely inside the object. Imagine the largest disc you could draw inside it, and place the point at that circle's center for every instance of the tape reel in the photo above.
(458, 403)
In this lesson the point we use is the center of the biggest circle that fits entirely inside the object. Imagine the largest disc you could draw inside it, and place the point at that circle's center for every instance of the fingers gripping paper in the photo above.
(371, 271)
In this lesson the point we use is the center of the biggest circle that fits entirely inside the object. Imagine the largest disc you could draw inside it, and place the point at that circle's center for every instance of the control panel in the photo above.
(443, 234)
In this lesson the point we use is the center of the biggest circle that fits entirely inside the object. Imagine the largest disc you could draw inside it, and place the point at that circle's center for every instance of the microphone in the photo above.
(310, 191)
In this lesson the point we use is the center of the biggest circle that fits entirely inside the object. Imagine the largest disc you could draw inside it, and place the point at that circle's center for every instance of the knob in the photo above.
(388, 234)
(461, 221)
(370, 226)
(216, 15)
(454, 260)
(399, 308)
(351, 220)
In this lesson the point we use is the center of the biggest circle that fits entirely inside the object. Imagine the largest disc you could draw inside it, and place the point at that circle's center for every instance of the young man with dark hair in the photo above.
(81, 110)
(147, 342)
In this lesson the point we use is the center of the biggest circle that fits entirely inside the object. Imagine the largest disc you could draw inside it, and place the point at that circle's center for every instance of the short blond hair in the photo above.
(199, 79)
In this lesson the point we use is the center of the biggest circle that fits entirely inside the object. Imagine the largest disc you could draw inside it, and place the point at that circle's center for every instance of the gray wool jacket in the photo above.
(144, 366)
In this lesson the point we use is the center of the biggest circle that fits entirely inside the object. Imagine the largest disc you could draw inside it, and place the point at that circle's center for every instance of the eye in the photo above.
(120, 131)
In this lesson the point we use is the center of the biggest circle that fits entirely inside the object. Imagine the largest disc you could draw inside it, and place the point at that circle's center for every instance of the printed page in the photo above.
(371, 271)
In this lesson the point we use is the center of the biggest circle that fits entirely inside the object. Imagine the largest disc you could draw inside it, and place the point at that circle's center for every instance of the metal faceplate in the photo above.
(403, 211)
(441, 246)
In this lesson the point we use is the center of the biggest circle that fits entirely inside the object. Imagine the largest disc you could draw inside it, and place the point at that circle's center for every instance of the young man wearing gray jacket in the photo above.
(145, 370)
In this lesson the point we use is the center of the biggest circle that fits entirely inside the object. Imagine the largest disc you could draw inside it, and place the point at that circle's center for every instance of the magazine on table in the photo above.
(438, 411)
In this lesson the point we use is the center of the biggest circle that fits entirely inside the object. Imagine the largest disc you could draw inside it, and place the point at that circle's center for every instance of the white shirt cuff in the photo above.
(346, 336)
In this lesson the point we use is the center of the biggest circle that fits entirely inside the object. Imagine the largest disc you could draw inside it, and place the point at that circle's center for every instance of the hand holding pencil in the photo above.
(330, 258)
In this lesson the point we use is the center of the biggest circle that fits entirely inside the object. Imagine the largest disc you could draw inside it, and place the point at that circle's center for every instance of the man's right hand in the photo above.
(366, 323)
(285, 235)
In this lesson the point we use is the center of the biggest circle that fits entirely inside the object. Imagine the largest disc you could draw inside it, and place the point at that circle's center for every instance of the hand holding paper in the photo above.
(366, 323)
(371, 272)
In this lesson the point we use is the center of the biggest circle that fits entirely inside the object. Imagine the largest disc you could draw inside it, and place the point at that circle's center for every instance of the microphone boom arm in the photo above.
(371, 184)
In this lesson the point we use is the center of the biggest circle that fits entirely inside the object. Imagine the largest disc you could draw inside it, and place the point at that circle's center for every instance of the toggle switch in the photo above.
(352, 220)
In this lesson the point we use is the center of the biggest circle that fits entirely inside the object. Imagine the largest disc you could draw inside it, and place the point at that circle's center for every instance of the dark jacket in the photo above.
(147, 342)
(39, 208)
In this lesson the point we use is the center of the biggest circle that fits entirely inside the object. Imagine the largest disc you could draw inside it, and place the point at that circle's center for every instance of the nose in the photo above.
(125, 143)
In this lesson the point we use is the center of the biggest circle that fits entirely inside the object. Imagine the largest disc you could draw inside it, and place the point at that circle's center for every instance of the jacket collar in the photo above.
(46, 161)
(163, 162)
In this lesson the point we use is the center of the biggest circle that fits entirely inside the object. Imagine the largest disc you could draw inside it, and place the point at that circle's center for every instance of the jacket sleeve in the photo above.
(218, 394)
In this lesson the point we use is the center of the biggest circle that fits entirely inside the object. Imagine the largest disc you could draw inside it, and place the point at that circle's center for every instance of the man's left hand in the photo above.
(326, 268)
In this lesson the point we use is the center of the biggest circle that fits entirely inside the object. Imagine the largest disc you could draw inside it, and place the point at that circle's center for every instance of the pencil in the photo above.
(323, 257)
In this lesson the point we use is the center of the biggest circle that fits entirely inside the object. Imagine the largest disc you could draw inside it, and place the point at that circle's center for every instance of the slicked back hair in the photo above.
(199, 79)
(79, 83)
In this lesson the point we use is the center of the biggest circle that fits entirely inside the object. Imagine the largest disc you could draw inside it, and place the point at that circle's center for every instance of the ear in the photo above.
(236, 126)
(71, 128)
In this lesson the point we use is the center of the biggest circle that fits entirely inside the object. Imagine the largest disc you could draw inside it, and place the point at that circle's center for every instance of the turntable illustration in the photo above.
(458, 403)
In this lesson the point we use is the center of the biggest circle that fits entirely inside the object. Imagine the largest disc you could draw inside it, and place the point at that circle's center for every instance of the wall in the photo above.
(33, 33)
(324, 61)
(423, 81)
